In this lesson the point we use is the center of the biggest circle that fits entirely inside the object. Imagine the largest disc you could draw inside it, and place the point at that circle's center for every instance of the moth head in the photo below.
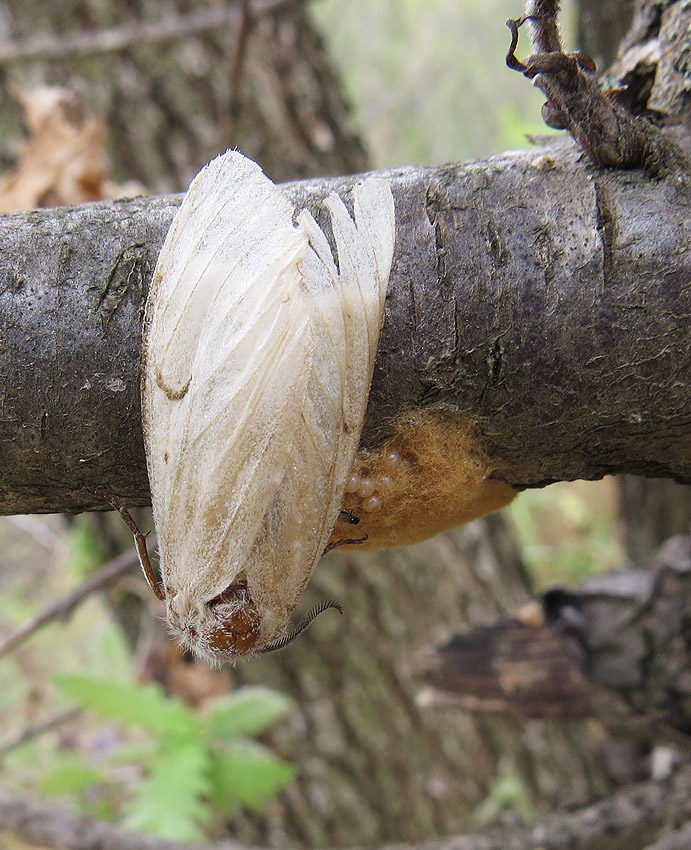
(224, 628)
(231, 625)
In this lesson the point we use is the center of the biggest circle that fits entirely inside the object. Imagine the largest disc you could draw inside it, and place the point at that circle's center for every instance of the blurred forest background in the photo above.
(426, 83)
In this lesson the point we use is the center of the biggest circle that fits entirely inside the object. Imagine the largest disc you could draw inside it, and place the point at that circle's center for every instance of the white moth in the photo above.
(258, 356)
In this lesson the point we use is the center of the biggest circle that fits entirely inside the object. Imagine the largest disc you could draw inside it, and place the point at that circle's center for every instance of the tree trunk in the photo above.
(171, 104)
(377, 762)
(651, 509)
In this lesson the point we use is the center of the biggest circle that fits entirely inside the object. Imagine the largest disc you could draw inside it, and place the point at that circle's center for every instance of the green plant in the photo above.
(507, 794)
(194, 764)
(567, 531)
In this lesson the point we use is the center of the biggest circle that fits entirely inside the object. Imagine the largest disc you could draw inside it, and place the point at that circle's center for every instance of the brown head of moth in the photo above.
(229, 626)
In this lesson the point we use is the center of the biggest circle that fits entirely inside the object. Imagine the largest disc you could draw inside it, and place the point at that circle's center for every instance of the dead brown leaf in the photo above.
(64, 161)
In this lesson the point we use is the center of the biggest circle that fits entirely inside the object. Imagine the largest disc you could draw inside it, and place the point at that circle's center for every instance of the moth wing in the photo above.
(227, 351)
(346, 314)
(259, 352)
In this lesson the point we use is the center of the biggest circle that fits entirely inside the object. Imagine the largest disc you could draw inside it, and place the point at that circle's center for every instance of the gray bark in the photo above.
(384, 764)
(651, 509)
(491, 246)
(543, 297)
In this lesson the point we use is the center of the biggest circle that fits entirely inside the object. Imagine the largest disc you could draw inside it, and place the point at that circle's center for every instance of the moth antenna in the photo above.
(305, 623)
(139, 540)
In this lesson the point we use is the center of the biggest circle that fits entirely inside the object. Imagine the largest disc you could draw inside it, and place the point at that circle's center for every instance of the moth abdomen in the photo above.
(238, 621)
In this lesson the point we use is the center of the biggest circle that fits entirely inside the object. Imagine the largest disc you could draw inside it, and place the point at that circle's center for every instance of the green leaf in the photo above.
(70, 776)
(169, 802)
(246, 774)
(247, 711)
(82, 555)
(141, 752)
(134, 705)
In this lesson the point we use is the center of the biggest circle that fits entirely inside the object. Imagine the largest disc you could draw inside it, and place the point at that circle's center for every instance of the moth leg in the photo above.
(139, 540)
(335, 543)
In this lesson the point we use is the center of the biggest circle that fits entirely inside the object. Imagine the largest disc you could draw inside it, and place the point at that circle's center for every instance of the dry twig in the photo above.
(236, 65)
(607, 131)
(55, 720)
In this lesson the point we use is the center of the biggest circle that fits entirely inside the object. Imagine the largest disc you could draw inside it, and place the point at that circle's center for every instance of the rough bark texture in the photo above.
(541, 297)
(356, 709)
(172, 105)
(502, 268)
(377, 762)
(652, 61)
(651, 509)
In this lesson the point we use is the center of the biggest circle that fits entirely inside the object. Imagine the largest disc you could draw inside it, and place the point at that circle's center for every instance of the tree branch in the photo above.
(631, 818)
(608, 131)
(545, 299)
(11, 742)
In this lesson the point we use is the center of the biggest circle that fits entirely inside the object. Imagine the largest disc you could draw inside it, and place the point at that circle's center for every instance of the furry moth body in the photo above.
(258, 356)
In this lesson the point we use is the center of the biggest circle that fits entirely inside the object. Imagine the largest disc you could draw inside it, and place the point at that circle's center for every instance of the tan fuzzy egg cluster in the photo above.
(430, 476)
